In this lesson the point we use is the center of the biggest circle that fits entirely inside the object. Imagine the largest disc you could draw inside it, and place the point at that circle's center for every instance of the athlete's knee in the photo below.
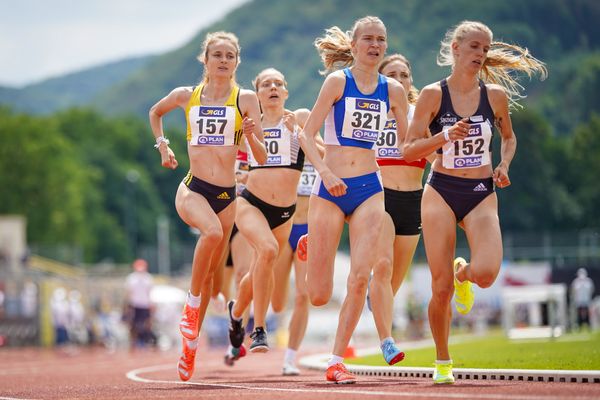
(278, 306)
(442, 290)
(358, 282)
(382, 270)
(267, 250)
(301, 300)
(212, 236)
(484, 279)
(319, 296)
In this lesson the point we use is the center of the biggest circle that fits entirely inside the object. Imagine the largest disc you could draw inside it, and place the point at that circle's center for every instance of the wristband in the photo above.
(160, 140)
(446, 135)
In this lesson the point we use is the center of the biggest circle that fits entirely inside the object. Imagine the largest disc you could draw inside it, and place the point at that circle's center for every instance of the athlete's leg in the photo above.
(325, 225)
(404, 251)
(208, 288)
(281, 270)
(254, 226)
(482, 228)
(195, 211)
(439, 235)
(380, 290)
(263, 276)
(365, 226)
(299, 319)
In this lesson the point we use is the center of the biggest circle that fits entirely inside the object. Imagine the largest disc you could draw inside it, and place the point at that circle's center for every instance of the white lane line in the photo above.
(134, 376)
(13, 398)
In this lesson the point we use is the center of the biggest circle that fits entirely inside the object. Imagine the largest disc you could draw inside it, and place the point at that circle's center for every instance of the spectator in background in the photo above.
(139, 308)
(582, 292)
(59, 308)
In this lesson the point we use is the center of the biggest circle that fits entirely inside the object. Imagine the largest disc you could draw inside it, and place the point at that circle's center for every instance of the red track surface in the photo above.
(96, 374)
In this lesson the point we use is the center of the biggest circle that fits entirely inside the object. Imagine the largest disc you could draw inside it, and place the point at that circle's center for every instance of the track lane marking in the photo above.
(134, 376)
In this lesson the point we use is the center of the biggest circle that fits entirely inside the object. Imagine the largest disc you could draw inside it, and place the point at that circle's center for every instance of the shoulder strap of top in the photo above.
(445, 90)
(446, 103)
(485, 101)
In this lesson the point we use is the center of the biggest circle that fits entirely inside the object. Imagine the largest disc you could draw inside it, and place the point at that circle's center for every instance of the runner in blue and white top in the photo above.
(356, 119)
(353, 103)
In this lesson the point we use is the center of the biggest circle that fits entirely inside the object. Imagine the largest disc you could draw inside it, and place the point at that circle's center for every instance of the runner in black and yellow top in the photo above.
(218, 113)
(266, 207)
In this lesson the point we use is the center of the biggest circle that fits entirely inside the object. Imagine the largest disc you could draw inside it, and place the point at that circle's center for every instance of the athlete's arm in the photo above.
(302, 115)
(499, 103)
(418, 143)
(255, 137)
(331, 91)
(179, 97)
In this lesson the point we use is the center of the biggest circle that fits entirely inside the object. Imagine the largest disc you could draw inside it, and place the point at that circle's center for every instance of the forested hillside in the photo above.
(563, 33)
(89, 178)
(73, 90)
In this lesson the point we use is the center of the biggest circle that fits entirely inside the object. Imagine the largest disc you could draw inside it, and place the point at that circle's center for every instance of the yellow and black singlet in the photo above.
(214, 125)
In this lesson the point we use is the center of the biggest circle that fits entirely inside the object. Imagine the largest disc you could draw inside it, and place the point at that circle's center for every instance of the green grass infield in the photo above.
(574, 351)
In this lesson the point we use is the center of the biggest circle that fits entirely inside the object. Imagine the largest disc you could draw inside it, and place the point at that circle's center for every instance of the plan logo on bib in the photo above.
(388, 152)
(366, 135)
(211, 140)
(467, 162)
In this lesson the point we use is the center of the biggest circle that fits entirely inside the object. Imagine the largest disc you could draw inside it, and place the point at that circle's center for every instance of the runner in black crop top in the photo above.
(446, 116)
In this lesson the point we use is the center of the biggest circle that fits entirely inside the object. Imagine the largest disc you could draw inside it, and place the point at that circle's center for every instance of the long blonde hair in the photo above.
(502, 59)
(335, 48)
(413, 93)
(212, 37)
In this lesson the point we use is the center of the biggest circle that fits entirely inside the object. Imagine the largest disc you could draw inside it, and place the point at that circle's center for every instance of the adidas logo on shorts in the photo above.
(480, 188)
(224, 196)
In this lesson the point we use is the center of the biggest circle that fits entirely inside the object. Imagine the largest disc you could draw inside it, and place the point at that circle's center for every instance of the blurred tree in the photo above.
(42, 178)
(586, 166)
(538, 196)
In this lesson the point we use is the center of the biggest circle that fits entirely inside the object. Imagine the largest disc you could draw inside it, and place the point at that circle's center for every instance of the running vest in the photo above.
(283, 149)
(386, 148)
(214, 125)
(474, 151)
(357, 119)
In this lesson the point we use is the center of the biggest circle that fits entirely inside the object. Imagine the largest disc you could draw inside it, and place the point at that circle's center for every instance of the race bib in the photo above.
(212, 125)
(387, 143)
(307, 179)
(364, 119)
(473, 151)
(278, 145)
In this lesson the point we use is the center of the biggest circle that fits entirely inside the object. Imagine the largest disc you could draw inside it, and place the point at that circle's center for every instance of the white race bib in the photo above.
(212, 125)
(387, 144)
(307, 179)
(473, 151)
(364, 119)
(278, 144)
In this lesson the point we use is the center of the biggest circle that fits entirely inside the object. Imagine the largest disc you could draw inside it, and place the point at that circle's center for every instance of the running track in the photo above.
(96, 374)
